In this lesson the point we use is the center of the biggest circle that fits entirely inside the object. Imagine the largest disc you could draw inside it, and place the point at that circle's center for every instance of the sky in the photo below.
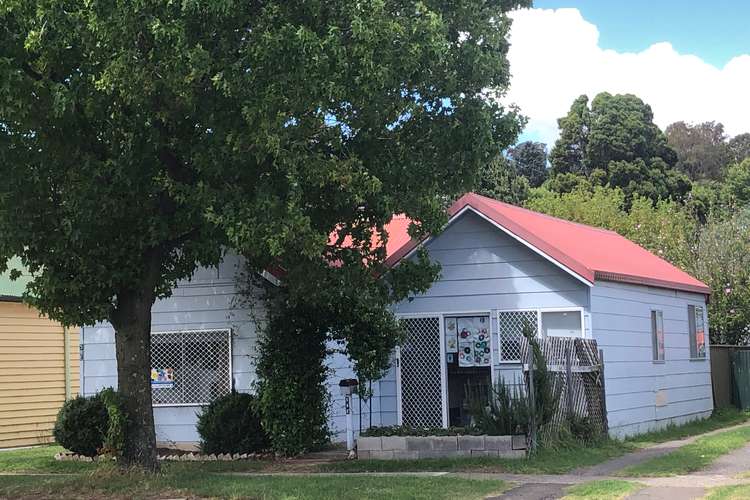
(690, 60)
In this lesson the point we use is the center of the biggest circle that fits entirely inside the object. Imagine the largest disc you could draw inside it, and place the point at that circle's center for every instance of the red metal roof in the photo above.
(590, 253)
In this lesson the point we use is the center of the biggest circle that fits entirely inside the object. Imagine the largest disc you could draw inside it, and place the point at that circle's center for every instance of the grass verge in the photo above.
(725, 417)
(739, 492)
(108, 483)
(602, 490)
(691, 457)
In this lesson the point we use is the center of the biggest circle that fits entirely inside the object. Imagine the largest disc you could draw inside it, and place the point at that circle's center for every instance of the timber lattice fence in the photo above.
(577, 367)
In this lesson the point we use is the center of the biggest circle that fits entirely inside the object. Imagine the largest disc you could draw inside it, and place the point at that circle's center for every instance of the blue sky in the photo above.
(689, 60)
(714, 30)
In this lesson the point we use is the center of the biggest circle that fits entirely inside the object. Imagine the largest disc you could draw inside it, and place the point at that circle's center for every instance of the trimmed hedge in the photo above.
(82, 424)
(231, 424)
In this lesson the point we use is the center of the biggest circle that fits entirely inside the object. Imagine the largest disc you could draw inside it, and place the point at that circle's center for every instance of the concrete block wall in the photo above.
(413, 447)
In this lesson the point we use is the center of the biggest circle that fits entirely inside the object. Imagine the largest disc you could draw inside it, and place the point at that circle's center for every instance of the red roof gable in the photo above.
(588, 252)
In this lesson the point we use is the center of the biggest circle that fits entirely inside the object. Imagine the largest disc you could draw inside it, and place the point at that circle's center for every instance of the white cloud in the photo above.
(555, 57)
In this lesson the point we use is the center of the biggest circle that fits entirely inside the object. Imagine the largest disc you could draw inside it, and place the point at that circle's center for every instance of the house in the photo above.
(38, 367)
(503, 267)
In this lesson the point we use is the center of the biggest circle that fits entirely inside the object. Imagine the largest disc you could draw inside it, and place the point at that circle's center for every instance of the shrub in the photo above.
(114, 438)
(506, 412)
(82, 424)
(231, 424)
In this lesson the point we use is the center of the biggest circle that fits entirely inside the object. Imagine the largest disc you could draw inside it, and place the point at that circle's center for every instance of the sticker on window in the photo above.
(162, 378)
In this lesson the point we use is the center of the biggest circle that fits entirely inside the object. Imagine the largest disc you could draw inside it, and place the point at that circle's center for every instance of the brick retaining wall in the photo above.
(409, 447)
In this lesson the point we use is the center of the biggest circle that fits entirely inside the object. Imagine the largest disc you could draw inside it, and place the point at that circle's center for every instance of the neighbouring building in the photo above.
(39, 368)
(502, 267)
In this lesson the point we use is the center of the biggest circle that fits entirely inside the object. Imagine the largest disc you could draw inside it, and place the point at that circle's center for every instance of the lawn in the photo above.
(109, 483)
(739, 492)
(691, 457)
(601, 490)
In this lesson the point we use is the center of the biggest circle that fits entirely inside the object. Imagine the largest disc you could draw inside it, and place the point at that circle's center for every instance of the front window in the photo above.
(657, 334)
(190, 367)
(697, 327)
(561, 324)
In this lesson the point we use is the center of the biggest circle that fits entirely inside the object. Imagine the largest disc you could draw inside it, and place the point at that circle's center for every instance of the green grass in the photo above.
(739, 492)
(111, 484)
(721, 418)
(40, 459)
(691, 457)
(602, 490)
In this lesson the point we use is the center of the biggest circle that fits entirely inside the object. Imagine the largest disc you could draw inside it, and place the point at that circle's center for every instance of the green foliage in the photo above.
(582, 429)
(722, 261)
(702, 149)
(504, 412)
(546, 392)
(499, 180)
(293, 398)
(81, 425)
(616, 138)
(737, 184)
(530, 160)
(739, 146)
(114, 437)
(231, 424)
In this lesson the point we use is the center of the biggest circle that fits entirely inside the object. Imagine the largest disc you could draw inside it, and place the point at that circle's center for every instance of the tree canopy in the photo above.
(615, 142)
(530, 160)
(139, 140)
(702, 150)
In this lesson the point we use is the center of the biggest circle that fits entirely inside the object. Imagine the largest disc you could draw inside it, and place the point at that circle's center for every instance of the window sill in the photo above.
(698, 359)
(658, 361)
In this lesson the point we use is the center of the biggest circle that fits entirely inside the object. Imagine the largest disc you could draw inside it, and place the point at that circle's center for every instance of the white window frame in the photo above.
(228, 331)
(693, 332)
(539, 311)
(655, 313)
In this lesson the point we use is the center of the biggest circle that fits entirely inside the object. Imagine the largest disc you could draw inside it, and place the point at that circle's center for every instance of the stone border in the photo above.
(182, 457)
(413, 447)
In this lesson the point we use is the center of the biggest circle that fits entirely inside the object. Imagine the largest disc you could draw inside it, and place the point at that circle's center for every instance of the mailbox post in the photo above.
(347, 387)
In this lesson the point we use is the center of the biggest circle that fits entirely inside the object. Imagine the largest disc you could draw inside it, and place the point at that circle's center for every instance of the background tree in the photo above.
(722, 260)
(739, 147)
(736, 187)
(569, 155)
(702, 150)
(530, 160)
(137, 140)
(616, 143)
(498, 179)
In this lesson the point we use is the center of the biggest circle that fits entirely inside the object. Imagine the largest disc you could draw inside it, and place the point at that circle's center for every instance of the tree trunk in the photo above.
(132, 322)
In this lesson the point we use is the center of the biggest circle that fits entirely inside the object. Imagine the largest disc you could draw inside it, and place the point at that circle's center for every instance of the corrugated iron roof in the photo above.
(587, 252)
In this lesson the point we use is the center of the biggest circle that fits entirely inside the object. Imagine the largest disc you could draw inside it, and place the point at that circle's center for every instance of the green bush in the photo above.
(82, 424)
(506, 412)
(231, 424)
(114, 438)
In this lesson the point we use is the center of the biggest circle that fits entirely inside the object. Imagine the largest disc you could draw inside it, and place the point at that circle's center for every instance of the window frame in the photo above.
(693, 331)
(539, 312)
(230, 368)
(657, 356)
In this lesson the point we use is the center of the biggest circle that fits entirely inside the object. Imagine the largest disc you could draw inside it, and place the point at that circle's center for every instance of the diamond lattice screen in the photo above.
(511, 325)
(421, 386)
(199, 362)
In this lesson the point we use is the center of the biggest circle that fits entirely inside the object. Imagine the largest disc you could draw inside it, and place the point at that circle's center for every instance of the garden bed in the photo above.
(411, 447)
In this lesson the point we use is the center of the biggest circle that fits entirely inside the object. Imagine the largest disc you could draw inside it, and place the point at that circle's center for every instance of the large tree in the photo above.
(702, 150)
(138, 140)
(739, 146)
(615, 142)
(530, 160)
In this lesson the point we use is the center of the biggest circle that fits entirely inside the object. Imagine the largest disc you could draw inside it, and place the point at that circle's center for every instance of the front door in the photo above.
(421, 374)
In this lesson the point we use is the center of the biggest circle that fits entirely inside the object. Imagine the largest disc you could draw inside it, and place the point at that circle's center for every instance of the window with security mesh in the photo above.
(510, 330)
(190, 368)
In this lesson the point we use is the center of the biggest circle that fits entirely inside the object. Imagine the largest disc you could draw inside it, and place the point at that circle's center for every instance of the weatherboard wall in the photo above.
(210, 300)
(642, 394)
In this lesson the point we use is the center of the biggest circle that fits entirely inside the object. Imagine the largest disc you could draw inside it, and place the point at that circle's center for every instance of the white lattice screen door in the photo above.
(420, 373)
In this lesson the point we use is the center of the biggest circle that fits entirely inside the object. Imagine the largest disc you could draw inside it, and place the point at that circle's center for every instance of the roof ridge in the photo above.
(547, 216)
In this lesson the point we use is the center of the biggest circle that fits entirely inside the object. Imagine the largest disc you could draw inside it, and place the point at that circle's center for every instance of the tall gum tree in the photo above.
(139, 139)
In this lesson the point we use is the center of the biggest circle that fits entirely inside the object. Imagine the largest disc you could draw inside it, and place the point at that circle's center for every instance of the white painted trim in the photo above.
(493, 345)
(509, 233)
(399, 412)
(539, 311)
(443, 372)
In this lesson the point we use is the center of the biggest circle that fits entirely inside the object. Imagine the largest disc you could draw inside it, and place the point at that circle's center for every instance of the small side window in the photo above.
(697, 332)
(657, 335)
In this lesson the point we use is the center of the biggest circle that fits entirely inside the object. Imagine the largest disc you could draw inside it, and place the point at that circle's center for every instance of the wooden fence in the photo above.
(577, 366)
